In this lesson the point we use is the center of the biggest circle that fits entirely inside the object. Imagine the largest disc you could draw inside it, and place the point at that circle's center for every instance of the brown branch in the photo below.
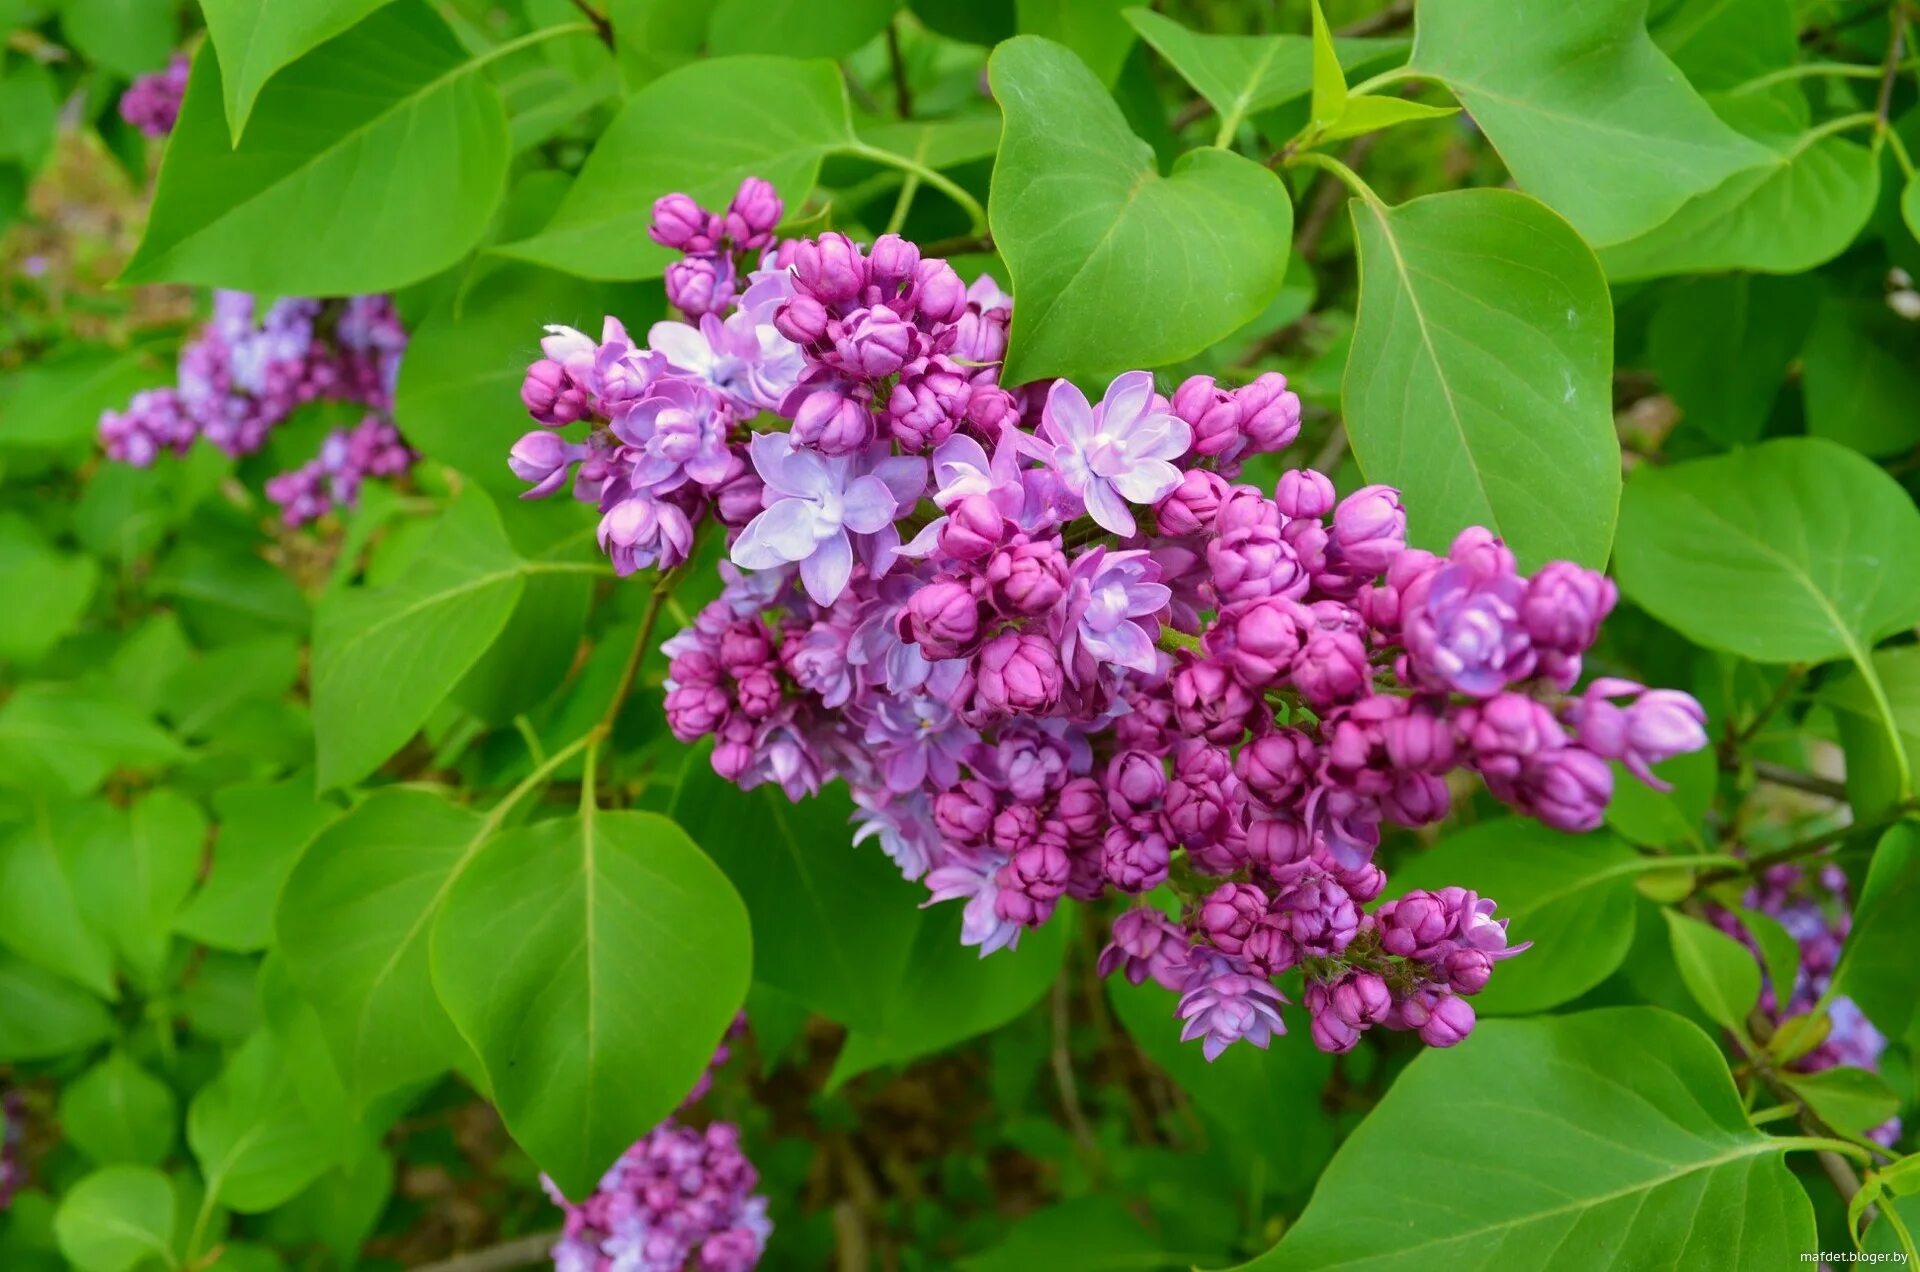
(1391, 18)
(1884, 102)
(902, 92)
(601, 27)
(1062, 1059)
(521, 1252)
(1780, 775)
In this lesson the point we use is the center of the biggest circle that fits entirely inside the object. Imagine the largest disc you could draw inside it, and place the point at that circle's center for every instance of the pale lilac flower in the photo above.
(1117, 453)
(814, 503)
(749, 363)
(1108, 595)
(981, 923)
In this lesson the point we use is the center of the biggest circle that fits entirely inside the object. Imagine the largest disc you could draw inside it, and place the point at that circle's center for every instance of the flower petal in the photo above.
(1108, 509)
(1128, 400)
(781, 534)
(1161, 435)
(1067, 416)
(867, 505)
(1146, 481)
(828, 570)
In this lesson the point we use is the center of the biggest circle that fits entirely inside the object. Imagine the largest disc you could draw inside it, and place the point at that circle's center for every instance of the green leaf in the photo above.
(459, 395)
(1472, 1154)
(389, 118)
(1798, 208)
(592, 963)
(1371, 114)
(1719, 972)
(1851, 1101)
(43, 1016)
(1910, 204)
(29, 110)
(1665, 819)
(132, 873)
(204, 695)
(949, 993)
(833, 923)
(1883, 943)
(795, 28)
(652, 37)
(1720, 44)
(535, 650)
(1095, 30)
(128, 37)
(1779, 948)
(56, 401)
(43, 917)
(1877, 753)
(116, 1218)
(255, 1142)
(1721, 346)
(352, 923)
(1265, 1103)
(1329, 100)
(1861, 374)
(1087, 1234)
(228, 594)
(1243, 75)
(60, 583)
(255, 40)
(1572, 896)
(78, 735)
(118, 1112)
(1584, 108)
(263, 828)
(384, 658)
(1796, 550)
(1480, 381)
(699, 129)
(1116, 266)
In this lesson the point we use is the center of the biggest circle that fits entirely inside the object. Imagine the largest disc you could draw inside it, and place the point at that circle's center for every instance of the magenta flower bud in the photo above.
(1136, 783)
(919, 415)
(1190, 509)
(943, 618)
(1229, 913)
(963, 813)
(1212, 413)
(974, 528)
(737, 499)
(1565, 605)
(801, 318)
(1369, 529)
(1657, 725)
(937, 293)
(1331, 667)
(833, 423)
(1481, 552)
(753, 214)
(1018, 673)
(1014, 827)
(1449, 1020)
(551, 396)
(1027, 577)
(1304, 493)
(758, 692)
(543, 459)
(1134, 855)
(1031, 883)
(743, 646)
(1279, 843)
(1254, 561)
(1269, 413)
(1200, 804)
(991, 408)
(1278, 767)
(698, 285)
(695, 710)
(1567, 789)
(1330, 1033)
(1422, 738)
(875, 343)
(1467, 970)
(1259, 639)
(891, 261)
(682, 224)
(1509, 729)
(1146, 943)
(1414, 925)
(1360, 999)
(829, 268)
(1245, 508)
(1208, 702)
(1081, 807)
(1417, 799)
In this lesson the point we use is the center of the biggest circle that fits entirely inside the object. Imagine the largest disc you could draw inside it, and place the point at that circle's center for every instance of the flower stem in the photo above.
(976, 214)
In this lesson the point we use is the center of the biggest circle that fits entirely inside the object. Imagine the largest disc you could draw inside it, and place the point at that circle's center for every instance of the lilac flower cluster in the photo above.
(245, 373)
(1813, 905)
(152, 102)
(1054, 649)
(677, 1199)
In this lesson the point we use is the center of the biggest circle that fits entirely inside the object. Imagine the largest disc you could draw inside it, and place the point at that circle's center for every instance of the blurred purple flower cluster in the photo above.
(245, 372)
(679, 1199)
(152, 102)
(1811, 902)
(1055, 650)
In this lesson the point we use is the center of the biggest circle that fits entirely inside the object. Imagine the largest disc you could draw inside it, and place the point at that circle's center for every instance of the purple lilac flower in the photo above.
(1110, 593)
(1115, 454)
(152, 102)
(814, 504)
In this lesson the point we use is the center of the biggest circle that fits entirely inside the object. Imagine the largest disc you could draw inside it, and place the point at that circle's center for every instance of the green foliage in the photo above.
(1117, 266)
(1718, 971)
(1668, 1166)
(254, 41)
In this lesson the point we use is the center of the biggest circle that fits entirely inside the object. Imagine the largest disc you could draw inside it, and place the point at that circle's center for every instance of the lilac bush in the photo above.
(1055, 649)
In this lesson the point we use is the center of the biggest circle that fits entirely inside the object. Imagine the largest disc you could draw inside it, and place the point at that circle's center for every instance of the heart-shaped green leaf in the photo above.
(1481, 372)
(592, 962)
(1115, 266)
(255, 40)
